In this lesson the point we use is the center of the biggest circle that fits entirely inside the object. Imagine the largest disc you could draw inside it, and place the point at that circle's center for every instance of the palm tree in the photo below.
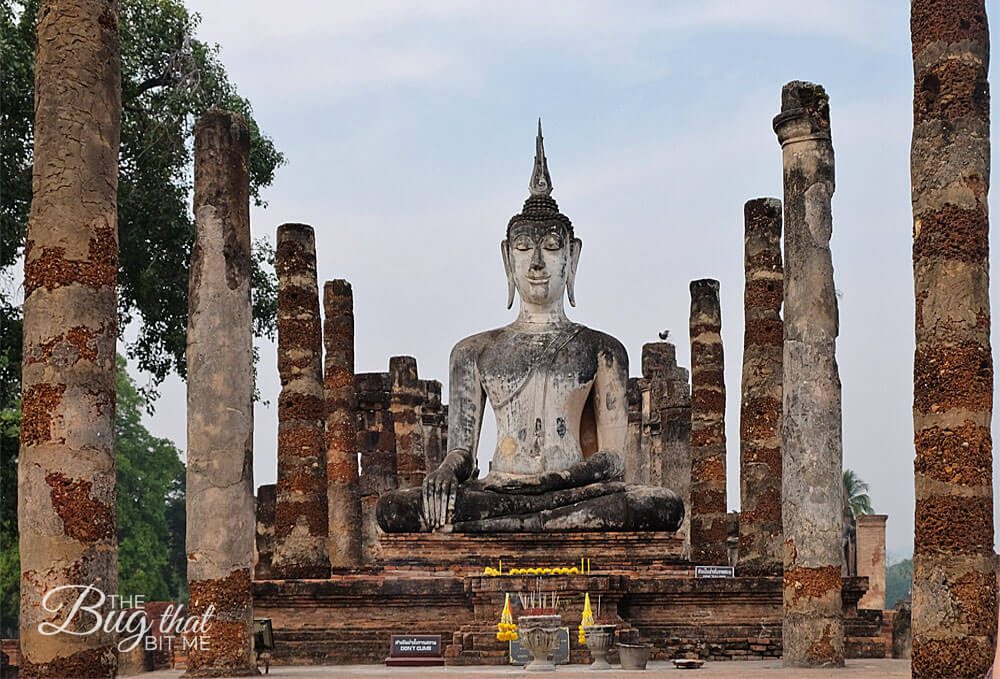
(857, 493)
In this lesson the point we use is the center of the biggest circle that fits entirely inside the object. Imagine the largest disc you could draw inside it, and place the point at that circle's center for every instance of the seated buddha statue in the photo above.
(557, 389)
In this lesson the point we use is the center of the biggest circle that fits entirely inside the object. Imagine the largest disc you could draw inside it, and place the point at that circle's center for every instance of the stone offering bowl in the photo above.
(540, 635)
(634, 656)
(600, 639)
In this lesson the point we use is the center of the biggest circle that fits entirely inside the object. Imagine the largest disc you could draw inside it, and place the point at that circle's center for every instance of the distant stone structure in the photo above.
(812, 459)
(220, 500)
(66, 466)
(266, 498)
(954, 588)
(301, 509)
(871, 559)
(345, 541)
(708, 428)
(761, 545)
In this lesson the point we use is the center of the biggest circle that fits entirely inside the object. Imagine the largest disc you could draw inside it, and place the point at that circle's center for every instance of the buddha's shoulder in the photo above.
(602, 342)
(476, 343)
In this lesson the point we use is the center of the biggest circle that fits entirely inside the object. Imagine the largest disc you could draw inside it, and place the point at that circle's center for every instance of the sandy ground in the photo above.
(855, 669)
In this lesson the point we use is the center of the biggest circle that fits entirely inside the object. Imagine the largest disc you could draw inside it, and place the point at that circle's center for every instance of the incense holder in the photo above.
(599, 638)
(540, 635)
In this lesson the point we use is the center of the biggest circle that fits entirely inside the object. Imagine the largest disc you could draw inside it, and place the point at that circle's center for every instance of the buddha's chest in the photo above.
(533, 374)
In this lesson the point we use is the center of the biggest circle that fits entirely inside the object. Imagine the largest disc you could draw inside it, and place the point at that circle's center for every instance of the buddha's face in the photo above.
(540, 259)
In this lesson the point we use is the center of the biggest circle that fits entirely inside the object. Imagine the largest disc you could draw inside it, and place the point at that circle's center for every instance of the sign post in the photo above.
(415, 650)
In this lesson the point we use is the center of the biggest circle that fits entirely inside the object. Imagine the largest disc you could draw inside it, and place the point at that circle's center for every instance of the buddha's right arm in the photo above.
(466, 402)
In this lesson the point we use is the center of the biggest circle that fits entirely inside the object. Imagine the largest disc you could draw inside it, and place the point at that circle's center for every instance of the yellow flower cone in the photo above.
(506, 630)
(587, 619)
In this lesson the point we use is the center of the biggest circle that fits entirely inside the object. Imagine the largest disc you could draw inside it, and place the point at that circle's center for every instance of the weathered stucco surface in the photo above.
(66, 470)
(220, 502)
(812, 456)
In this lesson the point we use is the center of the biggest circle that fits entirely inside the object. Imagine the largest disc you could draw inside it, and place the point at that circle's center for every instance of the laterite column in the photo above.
(407, 397)
(377, 447)
(66, 466)
(341, 426)
(220, 503)
(812, 456)
(708, 428)
(760, 538)
(300, 513)
(954, 588)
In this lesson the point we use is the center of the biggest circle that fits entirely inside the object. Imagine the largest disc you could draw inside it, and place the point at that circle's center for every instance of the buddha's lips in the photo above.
(539, 280)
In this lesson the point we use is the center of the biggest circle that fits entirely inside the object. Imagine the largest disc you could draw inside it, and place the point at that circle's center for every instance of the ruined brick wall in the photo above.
(812, 458)
(300, 514)
(760, 538)
(345, 542)
(377, 448)
(708, 427)
(954, 588)
(66, 493)
(407, 398)
(220, 499)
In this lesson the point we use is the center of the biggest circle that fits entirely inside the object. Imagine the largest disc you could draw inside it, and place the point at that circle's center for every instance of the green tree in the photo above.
(169, 78)
(857, 493)
(898, 580)
(150, 474)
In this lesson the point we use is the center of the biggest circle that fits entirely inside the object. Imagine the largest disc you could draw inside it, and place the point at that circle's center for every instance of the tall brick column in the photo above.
(871, 559)
(954, 589)
(220, 503)
(708, 427)
(760, 539)
(812, 457)
(341, 426)
(300, 512)
(407, 397)
(377, 446)
(66, 469)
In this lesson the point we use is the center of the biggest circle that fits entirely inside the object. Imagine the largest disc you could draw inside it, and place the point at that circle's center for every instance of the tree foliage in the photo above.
(169, 79)
(898, 580)
(857, 493)
(150, 484)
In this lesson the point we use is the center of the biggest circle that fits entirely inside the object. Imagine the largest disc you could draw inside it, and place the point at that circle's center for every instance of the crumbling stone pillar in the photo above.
(220, 502)
(954, 589)
(266, 497)
(407, 397)
(430, 419)
(675, 437)
(636, 470)
(377, 446)
(66, 471)
(649, 398)
(341, 426)
(812, 455)
(300, 513)
(760, 539)
(708, 428)
(871, 559)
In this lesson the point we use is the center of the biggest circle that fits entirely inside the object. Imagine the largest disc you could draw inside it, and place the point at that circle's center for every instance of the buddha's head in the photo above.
(540, 253)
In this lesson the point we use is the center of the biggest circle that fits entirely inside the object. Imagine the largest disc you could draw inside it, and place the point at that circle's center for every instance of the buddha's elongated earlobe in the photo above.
(575, 246)
(509, 271)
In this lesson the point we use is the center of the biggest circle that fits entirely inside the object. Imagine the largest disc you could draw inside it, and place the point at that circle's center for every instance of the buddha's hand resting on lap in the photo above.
(439, 489)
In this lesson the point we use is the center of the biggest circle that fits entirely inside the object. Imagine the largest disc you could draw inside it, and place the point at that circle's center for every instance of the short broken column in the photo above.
(407, 397)
(341, 426)
(760, 539)
(708, 428)
(871, 559)
(636, 470)
(431, 420)
(812, 455)
(265, 531)
(954, 586)
(300, 513)
(220, 502)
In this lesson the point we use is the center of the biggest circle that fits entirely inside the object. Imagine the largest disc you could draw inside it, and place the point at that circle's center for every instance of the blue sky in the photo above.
(409, 133)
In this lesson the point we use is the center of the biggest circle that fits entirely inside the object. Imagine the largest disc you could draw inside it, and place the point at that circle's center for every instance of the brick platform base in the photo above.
(433, 584)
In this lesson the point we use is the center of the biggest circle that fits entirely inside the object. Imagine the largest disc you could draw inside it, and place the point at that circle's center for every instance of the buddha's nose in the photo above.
(537, 263)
